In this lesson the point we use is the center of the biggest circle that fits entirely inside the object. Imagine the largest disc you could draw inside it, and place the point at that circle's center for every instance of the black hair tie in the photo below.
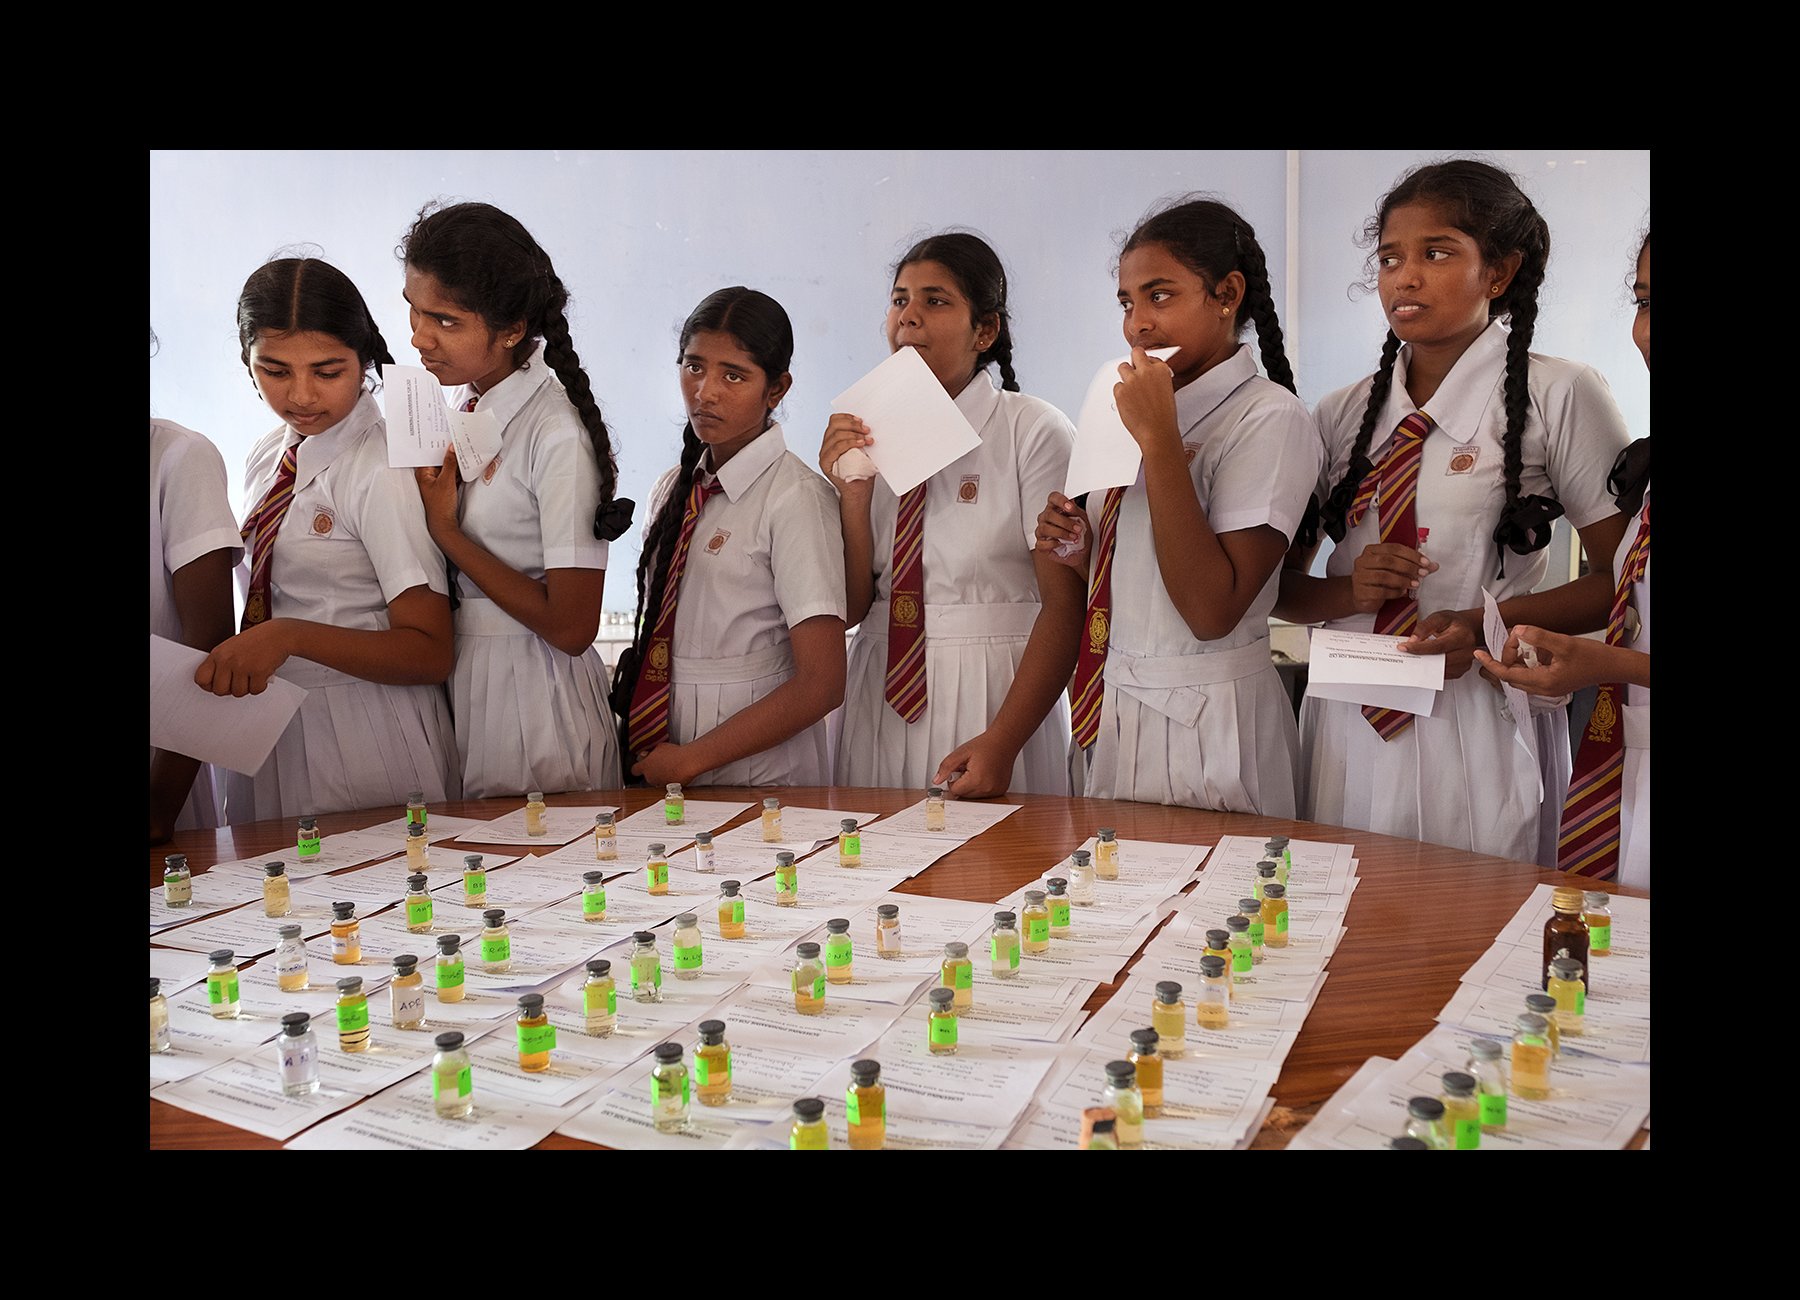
(1526, 527)
(612, 518)
(1630, 474)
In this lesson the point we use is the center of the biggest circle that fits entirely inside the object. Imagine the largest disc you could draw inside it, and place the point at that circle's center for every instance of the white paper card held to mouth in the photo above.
(231, 732)
(420, 426)
(1370, 668)
(917, 428)
(1518, 703)
(1105, 454)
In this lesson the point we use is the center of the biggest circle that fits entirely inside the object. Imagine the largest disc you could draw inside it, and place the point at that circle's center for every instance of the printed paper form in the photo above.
(904, 1133)
(561, 826)
(621, 1119)
(1370, 668)
(192, 1053)
(439, 827)
(1259, 1030)
(916, 427)
(802, 829)
(1211, 1103)
(1313, 920)
(1058, 1128)
(1518, 703)
(177, 970)
(345, 849)
(1493, 1011)
(421, 426)
(247, 1094)
(211, 895)
(1284, 974)
(1038, 1007)
(1618, 990)
(246, 931)
(190, 1017)
(765, 1080)
(823, 883)
(964, 819)
(1336, 1127)
(402, 1118)
(697, 815)
(578, 1065)
(1319, 866)
(845, 1025)
(234, 732)
(985, 1082)
(260, 993)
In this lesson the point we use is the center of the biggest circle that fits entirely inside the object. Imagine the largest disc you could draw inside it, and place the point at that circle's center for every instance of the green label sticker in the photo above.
(612, 1000)
(352, 1018)
(786, 880)
(450, 975)
(687, 958)
(703, 1069)
(656, 1090)
(1599, 936)
(535, 1038)
(465, 1082)
(1580, 1000)
(222, 989)
(819, 988)
(474, 883)
(1059, 914)
(309, 848)
(837, 951)
(672, 812)
(852, 1107)
(497, 949)
(1493, 1109)
(961, 976)
(657, 873)
(1037, 929)
(593, 904)
(416, 816)
(943, 1029)
(1013, 960)
(852, 846)
(418, 911)
(1257, 931)
(737, 911)
(1240, 959)
(1281, 922)
(1468, 1134)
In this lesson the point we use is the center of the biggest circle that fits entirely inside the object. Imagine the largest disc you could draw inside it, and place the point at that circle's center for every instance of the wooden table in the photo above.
(1421, 916)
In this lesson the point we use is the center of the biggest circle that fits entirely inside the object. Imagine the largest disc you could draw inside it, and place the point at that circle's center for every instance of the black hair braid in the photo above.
(1259, 305)
(1000, 352)
(559, 355)
(1336, 510)
(653, 577)
(1524, 525)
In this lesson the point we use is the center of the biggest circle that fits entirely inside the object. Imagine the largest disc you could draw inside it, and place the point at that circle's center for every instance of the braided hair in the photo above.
(978, 272)
(1631, 471)
(303, 295)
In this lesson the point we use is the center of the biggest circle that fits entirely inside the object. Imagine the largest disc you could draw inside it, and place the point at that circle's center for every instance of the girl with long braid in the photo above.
(1189, 708)
(528, 541)
(999, 620)
(1464, 432)
(739, 655)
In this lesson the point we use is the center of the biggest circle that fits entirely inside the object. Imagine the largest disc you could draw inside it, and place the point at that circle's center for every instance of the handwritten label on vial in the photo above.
(593, 904)
(852, 846)
(340, 944)
(474, 883)
(943, 1030)
(964, 975)
(408, 1003)
(465, 1082)
(1240, 960)
(221, 989)
(1257, 931)
(450, 975)
(1468, 1134)
(656, 873)
(737, 911)
(309, 848)
(852, 1107)
(1037, 929)
(497, 949)
(819, 988)
(1493, 1109)
(1059, 914)
(536, 1038)
(672, 811)
(837, 952)
(1281, 923)
(1599, 938)
(416, 816)
(784, 880)
(418, 911)
(687, 958)
(352, 1018)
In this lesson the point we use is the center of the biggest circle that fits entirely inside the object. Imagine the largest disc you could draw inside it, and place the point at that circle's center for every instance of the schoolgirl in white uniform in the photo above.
(1565, 663)
(752, 654)
(193, 545)
(352, 602)
(528, 540)
(1192, 711)
(1514, 441)
(1000, 618)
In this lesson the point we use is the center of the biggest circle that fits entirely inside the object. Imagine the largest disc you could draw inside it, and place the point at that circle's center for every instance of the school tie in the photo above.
(259, 535)
(905, 689)
(1588, 844)
(1395, 490)
(648, 725)
(1090, 666)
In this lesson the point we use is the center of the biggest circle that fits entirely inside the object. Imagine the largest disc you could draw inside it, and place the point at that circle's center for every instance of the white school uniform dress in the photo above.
(1634, 809)
(981, 601)
(528, 716)
(190, 516)
(353, 540)
(767, 554)
(1461, 777)
(1207, 724)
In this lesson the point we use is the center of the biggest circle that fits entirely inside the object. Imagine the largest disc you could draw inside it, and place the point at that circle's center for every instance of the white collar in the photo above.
(1462, 400)
(504, 399)
(318, 451)
(1205, 395)
(743, 469)
(978, 399)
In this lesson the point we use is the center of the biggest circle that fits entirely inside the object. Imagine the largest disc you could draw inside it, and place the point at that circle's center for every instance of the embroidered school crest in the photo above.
(323, 523)
(487, 475)
(906, 610)
(1097, 632)
(970, 489)
(1604, 717)
(1462, 459)
(658, 666)
(256, 609)
(716, 542)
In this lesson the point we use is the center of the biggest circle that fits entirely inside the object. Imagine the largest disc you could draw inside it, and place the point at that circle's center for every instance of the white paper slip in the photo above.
(964, 819)
(1617, 990)
(246, 931)
(988, 1082)
(1630, 926)
(1493, 1011)
(438, 828)
(1285, 974)
(536, 956)
(211, 894)
(561, 826)
(871, 978)
(757, 1013)
(916, 427)
(260, 992)
(926, 925)
(190, 1016)
(696, 815)
(236, 732)
(577, 1068)
(1037, 1007)
(392, 1055)
(345, 849)
(765, 1080)
(1105, 454)
(1315, 866)
(421, 425)
(370, 888)
(820, 882)
(1518, 703)
(621, 1119)
(402, 1119)
(1094, 955)
(1258, 1030)
(1366, 668)
(1058, 1128)
(802, 830)
(1336, 1127)
(190, 1054)
(247, 1094)
(176, 969)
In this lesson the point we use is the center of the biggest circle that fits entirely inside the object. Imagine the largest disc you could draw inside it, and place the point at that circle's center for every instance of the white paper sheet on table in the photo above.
(1037, 1006)
(802, 830)
(987, 1082)
(1105, 454)
(421, 425)
(247, 1094)
(561, 826)
(1630, 926)
(916, 427)
(1621, 988)
(190, 1054)
(964, 819)
(1493, 1011)
(620, 1118)
(231, 731)
(1518, 703)
(402, 1119)
(844, 1026)
(176, 969)
(1366, 668)
(211, 894)
(246, 931)
(1337, 1127)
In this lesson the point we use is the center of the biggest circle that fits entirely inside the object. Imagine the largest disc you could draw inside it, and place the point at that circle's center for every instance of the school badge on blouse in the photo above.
(323, 523)
(970, 489)
(716, 542)
(487, 475)
(906, 610)
(1462, 459)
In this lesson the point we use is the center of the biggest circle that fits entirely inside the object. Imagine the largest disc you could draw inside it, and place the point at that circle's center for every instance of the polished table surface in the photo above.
(1419, 918)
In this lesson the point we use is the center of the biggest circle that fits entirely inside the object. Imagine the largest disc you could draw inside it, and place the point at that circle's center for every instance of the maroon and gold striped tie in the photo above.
(259, 535)
(648, 725)
(1084, 719)
(905, 689)
(1395, 489)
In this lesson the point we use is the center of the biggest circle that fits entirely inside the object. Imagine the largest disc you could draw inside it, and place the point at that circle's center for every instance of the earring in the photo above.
(1493, 291)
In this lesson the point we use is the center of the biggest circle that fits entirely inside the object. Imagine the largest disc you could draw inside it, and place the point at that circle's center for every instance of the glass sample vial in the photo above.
(1596, 910)
(934, 808)
(346, 935)
(419, 905)
(686, 941)
(887, 930)
(669, 1089)
(646, 968)
(278, 899)
(674, 804)
(1081, 878)
(606, 838)
(787, 880)
(1091, 1119)
(222, 985)
(1570, 992)
(838, 954)
(1003, 946)
(1462, 1113)
(600, 999)
(536, 1035)
(731, 910)
(1056, 898)
(1034, 919)
(771, 821)
(849, 843)
(706, 858)
(593, 896)
(1542, 1004)
(940, 1025)
(1218, 944)
(1531, 1057)
(450, 970)
(1126, 1102)
(496, 942)
(1276, 851)
(1275, 916)
(297, 1055)
(178, 881)
(1265, 876)
(808, 980)
(1238, 945)
(806, 1130)
(415, 809)
(534, 814)
(1251, 909)
(307, 840)
(406, 993)
(417, 859)
(1149, 1069)
(1490, 1083)
(656, 869)
(291, 974)
(958, 975)
(452, 1077)
(159, 1018)
(1425, 1121)
(865, 1106)
(1212, 1003)
(352, 1015)
(1566, 929)
(474, 881)
(1106, 861)
(712, 1064)
(1168, 1016)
